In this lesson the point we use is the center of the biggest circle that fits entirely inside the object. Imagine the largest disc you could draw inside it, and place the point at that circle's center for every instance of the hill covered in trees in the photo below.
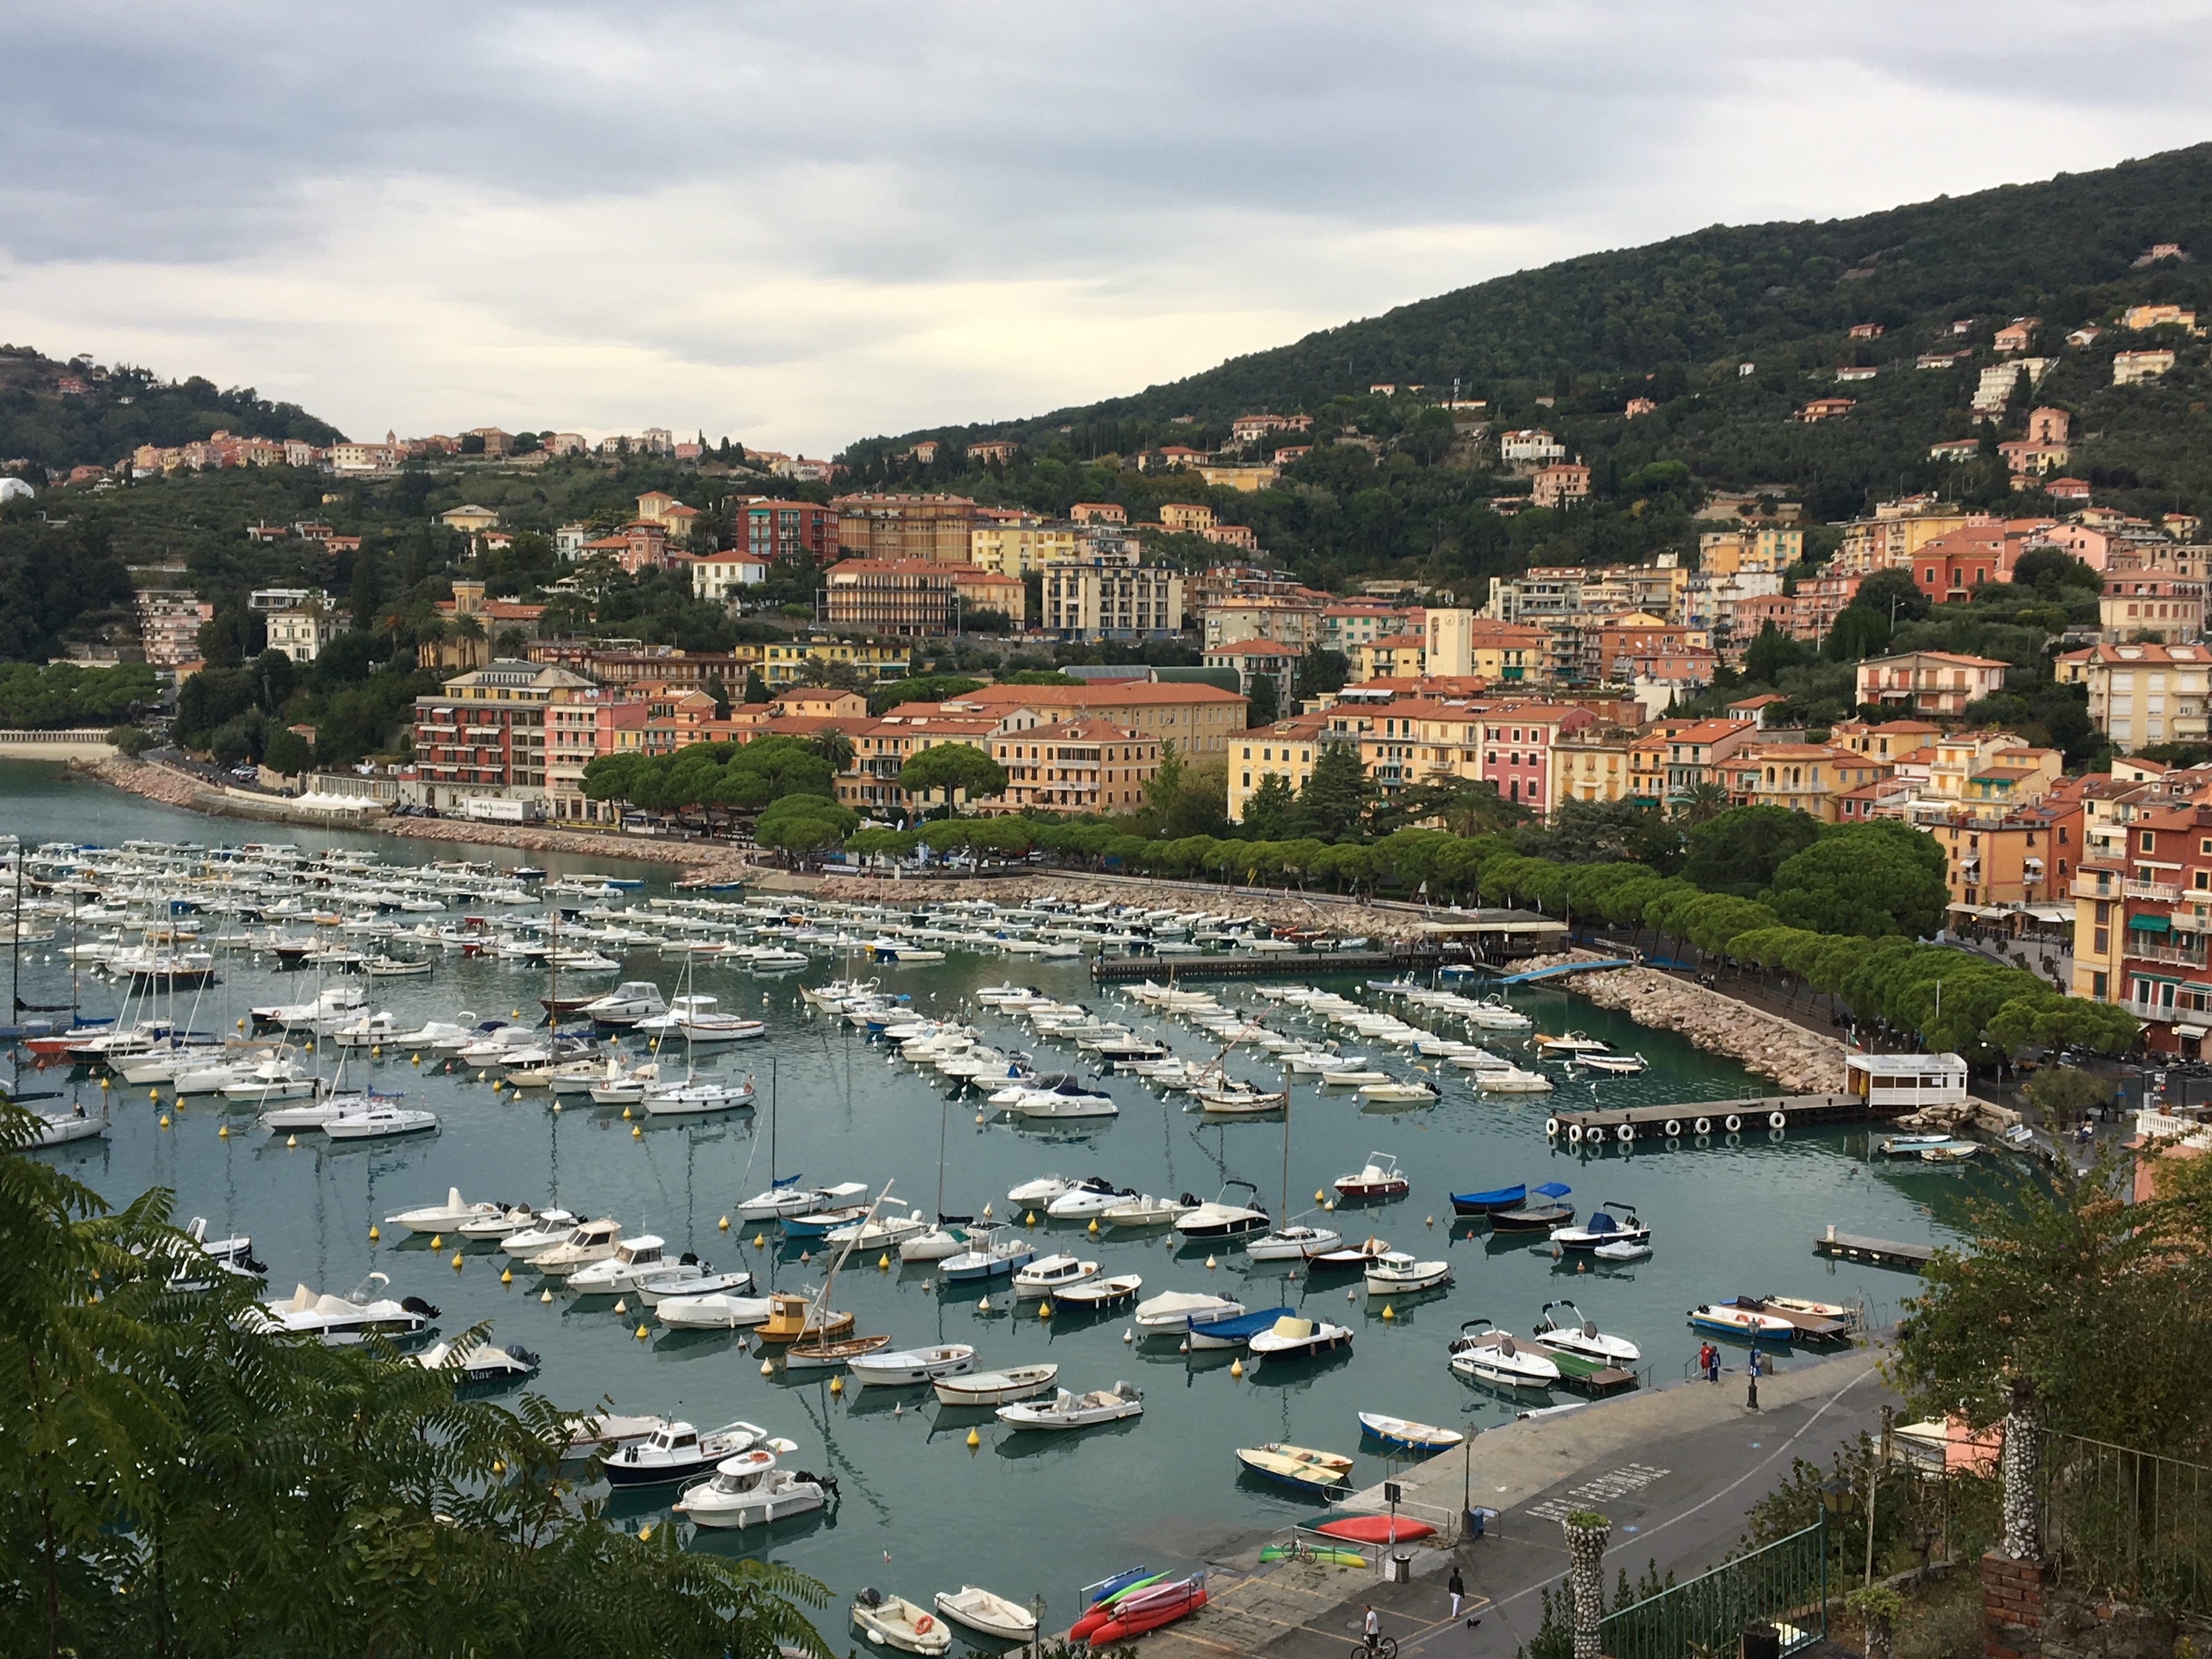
(46, 420)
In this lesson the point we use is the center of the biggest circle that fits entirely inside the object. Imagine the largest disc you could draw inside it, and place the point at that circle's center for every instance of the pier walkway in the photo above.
(1561, 968)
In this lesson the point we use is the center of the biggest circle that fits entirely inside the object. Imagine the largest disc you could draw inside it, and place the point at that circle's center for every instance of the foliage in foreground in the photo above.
(185, 1485)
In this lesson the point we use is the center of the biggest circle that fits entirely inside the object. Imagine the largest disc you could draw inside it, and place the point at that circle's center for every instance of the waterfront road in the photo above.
(1674, 1469)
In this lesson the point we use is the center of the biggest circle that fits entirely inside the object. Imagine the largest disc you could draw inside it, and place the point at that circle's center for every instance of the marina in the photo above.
(857, 1087)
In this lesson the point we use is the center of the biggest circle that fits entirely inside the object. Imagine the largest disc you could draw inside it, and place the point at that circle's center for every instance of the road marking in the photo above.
(1607, 1488)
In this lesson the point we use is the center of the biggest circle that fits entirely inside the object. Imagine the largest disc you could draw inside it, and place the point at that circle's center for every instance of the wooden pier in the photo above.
(1760, 1114)
(1248, 964)
(1875, 1252)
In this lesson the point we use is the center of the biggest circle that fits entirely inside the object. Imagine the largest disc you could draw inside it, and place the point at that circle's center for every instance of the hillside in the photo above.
(46, 422)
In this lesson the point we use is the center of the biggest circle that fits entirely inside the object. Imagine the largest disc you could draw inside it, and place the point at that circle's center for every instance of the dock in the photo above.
(1759, 1114)
(1875, 1252)
(1246, 964)
(1560, 968)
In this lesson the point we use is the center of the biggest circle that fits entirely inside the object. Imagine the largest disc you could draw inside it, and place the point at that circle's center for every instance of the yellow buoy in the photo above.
(223, 1133)
(514, 1013)
(377, 1050)
(437, 1240)
(636, 1133)
(768, 1368)
(103, 1083)
(759, 1239)
(373, 1234)
(546, 1296)
(241, 1024)
(974, 1440)
(498, 1466)
(1318, 1195)
(645, 1535)
(1030, 1220)
(1388, 1312)
(642, 1331)
(164, 1120)
(414, 1060)
(457, 1261)
(506, 1275)
(724, 1224)
(1236, 1368)
(1094, 1225)
(1431, 1222)
(497, 1084)
(625, 1114)
(1044, 1310)
(885, 1260)
(153, 1094)
(837, 1385)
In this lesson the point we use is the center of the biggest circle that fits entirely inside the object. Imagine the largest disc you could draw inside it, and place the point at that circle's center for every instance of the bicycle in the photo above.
(1386, 1647)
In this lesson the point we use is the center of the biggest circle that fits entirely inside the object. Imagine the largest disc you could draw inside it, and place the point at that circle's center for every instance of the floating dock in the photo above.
(1875, 1252)
(1246, 964)
(1759, 1114)
(1561, 968)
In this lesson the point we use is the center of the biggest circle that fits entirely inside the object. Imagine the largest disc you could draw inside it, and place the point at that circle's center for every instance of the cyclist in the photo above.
(1372, 1629)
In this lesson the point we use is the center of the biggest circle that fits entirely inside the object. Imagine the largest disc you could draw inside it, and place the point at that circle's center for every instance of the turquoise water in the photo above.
(1026, 1514)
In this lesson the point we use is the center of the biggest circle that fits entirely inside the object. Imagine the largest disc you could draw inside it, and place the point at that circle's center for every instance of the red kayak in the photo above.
(1150, 1614)
(1376, 1529)
(1109, 1606)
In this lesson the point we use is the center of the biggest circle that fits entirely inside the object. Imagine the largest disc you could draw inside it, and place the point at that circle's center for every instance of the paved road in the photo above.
(1674, 1469)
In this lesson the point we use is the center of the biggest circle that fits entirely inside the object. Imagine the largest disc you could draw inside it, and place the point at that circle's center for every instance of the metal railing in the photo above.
(1784, 1583)
(2129, 1524)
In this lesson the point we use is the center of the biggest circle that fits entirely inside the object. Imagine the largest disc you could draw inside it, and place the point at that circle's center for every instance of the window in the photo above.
(2149, 841)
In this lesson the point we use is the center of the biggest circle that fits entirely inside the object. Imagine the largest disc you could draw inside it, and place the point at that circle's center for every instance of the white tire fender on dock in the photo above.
(1625, 1132)
(1550, 1128)
(1732, 1123)
(1574, 1132)
(1703, 1126)
(1777, 1121)
(1674, 1128)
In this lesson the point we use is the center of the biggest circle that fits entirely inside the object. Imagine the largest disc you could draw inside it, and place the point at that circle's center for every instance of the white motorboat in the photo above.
(1043, 1190)
(1494, 1014)
(211, 1256)
(1401, 1093)
(879, 1232)
(1293, 1243)
(936, 1243)
(1397, 1274)
(368, 1031)
(379, 1121)
(1602, 1228)
(1222, 1219)
(482, 1365)
(1174, 1311)
(1381, 1179)
(1066, 1410)
(1293, 1338)
(892, 1621)
(786, 1197)
(1047, 1274)
(450, 1217)
(1001, 1620)
(1512, 1080)
(988, 1255)
(750, 1489)
(1146, 1210)
(1087, 1198)
(550, 1227)
(1613, 1064)
(431, 1034)
(996, 1388)
(591, 1241)
(500, 1046)
(1065, 1099)
(1572, 1042)
(1353, 1078)
(690, 1279)
(338, 1003)
(505, 1220)
(361, 1312)
(717, 1311)
(678, 1451)
(60, 1128)
(633, 1258)
(1483, 1351)
(1581, 1338)
(910, 1367)
(275, 1079)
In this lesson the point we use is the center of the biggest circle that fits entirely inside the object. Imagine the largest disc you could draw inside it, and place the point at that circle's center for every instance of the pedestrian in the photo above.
(1458, 1588)
(1753, 1399)
(1712, 1358)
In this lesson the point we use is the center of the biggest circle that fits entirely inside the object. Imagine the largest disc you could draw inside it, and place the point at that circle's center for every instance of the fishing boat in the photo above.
(1222, 1219)
(752, 1490)
(1381, 1179)
(1745, 1324)
(892, 1621)
(1581, 1339)
(995, 1616)
(1293, 1338)
(989, 1255)
(1299, 1467)
(1047, 1274)
(1399, 1274)
(1544, 1212)
(1603, 1230)
(1407, 1435)
(1491, 1202)
(1241, 1101)
(910, 1367)
(995, 1388)
(1066, 1410)
(1488, 1354)
(1231, 1330)
(677, 1451)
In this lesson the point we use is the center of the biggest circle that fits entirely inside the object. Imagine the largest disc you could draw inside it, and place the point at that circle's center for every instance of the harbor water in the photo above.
(1025, 1515)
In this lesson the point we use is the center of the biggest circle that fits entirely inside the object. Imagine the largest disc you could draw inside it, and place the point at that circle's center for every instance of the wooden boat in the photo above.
(1299, 1467)
(896, 1622)
(996, 1388)
(1491, 1202)
(994, 1615)
(1402, 1432)
(821, 1354)
(792, 1316)
(1376, 1528)
(1109, 1291)
(911, 1366)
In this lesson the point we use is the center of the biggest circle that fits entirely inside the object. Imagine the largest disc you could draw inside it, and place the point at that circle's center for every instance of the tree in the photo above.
(1770, 653)
(1270, 810)
(1894, 593)
(1336, 792)
(1606, 832)
(1859, 632)
(804, 823)
(1704, 801)
(834, 746)
(1464, 806)
(287, 752)
(1319, 671)
(957, 768)
(1200, 806)
(1870, 879)
(1166, 781)
(1739, 851)
(1263, 706)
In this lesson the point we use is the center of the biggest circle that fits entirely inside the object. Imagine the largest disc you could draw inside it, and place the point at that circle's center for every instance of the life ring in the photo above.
(1551, 1127)
(1574, 1132)
(1732, 1123)
(1777, 1121)
(1674, 1128)
(1625, 1132)
(924, 1624)
(1703, 1126)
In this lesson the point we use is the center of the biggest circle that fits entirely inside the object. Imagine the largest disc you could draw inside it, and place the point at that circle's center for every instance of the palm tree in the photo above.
(1704, 802)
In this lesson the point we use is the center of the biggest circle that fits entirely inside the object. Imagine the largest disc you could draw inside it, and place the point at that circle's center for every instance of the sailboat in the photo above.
(1291, 1242)
(820, 1351)
(947, 1238)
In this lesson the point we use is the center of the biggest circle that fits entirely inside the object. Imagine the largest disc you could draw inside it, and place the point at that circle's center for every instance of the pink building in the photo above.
(1517, 740)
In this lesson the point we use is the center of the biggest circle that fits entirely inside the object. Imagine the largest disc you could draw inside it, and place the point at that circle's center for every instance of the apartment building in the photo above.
(1259, 659)
(1804, 777)
(882, 747)
(1284, 618)
(1202, 721)
(1285, 750)
(2141, 693)
(894, 527)
(1518, 741)
(722, 578)
(1015, 544)
(1767, 549)
(1395, 656)
(1671, 759)
(169, 622)
(1590, 766)
(301, 631)
(581, 724)
(1344, 628)
(1102, 601)
(1930, 682)
(791, 532)
(2138, 604)
(2142, 917)
(485, 730)
(1075, 766)
(912, 599)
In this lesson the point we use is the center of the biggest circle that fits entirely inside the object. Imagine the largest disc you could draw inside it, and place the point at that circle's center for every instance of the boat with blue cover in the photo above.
(1541, 1213)
(1489, 1203)
(1234, 1331)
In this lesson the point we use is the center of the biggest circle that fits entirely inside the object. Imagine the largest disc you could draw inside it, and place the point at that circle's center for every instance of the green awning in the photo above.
(2149, 924)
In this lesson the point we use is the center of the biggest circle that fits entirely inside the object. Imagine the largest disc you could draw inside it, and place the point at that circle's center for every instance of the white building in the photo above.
(301, 633)
(721, 577)
(1111, 602)
(1530, 446)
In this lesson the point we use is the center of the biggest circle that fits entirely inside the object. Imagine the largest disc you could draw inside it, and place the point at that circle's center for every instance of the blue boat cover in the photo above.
(1497, 1195)
(1243, 1325)
(1554, 1189)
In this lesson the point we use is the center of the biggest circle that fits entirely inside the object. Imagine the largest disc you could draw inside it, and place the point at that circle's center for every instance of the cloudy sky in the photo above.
(798, 224)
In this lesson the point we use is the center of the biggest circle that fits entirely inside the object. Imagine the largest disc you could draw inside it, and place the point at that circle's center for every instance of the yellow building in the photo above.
(873, 659)
(1733, 552)
(469, 519)
(1589, 766)
(1248, 479)
(1016, 547)
(1286, 749)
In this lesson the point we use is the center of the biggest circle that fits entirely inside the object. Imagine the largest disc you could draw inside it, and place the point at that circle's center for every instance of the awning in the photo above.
(2149, 925)
(2051, 912)
(2193, 1032)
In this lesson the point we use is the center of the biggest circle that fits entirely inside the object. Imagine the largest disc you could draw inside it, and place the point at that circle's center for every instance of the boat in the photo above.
(1047, 1274)
(1512, 1080)
(1603, 1230)
(1493, 1013)
(1380, 1179)
(879, 1232)
(1147, 1607)
(688, 1278)
(1376, 1528)
(1815, 1321)
(450, 1217)
(892, 1621)
(910, 1367)
(829, 1354)
(1352, 1258)
(1491, 1355)
(1043, 1190)
(1545, 1212)
(1745, 1324)
(644, 1257)
(1623, 1250)
(1407, 1435)
(785, 1199)
(714, 1310)
(1299, 1467)
(1100, 1597)
(1582, 1338)
(1066, 1410)
(1913, 1146)
(676, 1451)
(1613, 1064)
(1572, 1042)
(1239, 1100)
(1174, 1311)
(1395, 1092)
(379, 1121)
(1399, 1274)
(1063, 1099)
(590, 1242)
(549, 1227)
(696, 1096)
(1958, 1151)
(1491, 1202)
(1293, 1243)
(1293, 1338)
(507, 1220)
(363, 1312)
(988, 1255)
(1222, 1219)
(60, 1128)
(481, 1366)
(1146, 1210)
(1088, 1197)
(995, 1388)
(753, 1490)
(1102, 1291)
(994, 1615)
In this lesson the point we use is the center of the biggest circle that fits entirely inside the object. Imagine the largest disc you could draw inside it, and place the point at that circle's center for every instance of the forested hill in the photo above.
(45, 421)
(1732, 292)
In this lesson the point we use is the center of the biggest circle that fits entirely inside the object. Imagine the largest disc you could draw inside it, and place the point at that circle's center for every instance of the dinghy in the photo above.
(1076, 1411)
(910, 1367)
(1381, 1179)
(893, 1621)
(996, 1388)
(1543, 1212)
(1299, 1467)
(1408, 1436)
(994, 1615)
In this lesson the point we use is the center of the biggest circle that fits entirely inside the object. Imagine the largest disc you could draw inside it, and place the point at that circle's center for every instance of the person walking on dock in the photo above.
(1709, 1361)
(1753, 1400)
(1457, 1586)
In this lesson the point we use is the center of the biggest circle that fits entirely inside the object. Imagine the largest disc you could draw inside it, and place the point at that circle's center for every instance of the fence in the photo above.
(1785, 1583)
(2127, 1523)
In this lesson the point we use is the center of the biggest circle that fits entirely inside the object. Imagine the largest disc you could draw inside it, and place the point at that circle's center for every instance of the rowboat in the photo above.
(1068, 1410)
(1544, 1212)
(1491, 1202)
(1104, 1291)
(994, 1615)
(996, 1388)
(893, 1621)
(1299, 1467)
(1410, 1436)
(910, 1366)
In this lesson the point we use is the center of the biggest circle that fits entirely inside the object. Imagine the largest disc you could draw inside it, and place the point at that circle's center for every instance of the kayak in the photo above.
(1107, 1606)
(1376, 1528)
(1150, 1612)
(1330, 1558)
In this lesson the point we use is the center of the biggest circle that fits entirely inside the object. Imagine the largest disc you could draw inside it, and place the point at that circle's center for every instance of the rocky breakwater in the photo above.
(1803, 1063)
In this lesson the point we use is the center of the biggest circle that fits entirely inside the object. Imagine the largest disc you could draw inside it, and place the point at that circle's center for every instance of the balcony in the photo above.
(2136, 950)
(2087, 885)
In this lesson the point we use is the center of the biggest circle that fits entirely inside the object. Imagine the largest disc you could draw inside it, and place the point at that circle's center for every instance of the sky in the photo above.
(799, 225)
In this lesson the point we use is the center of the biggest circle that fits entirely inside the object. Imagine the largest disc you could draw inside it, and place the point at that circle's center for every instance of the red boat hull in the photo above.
(1376, 1529)
(1146, 1616)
